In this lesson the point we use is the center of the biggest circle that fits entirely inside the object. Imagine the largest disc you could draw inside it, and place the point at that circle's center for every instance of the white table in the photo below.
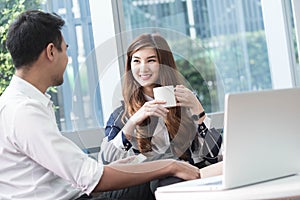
(283, 188)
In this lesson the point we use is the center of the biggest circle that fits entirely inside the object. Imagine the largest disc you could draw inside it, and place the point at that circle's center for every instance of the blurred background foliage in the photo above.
(211, 66)
(9, 9)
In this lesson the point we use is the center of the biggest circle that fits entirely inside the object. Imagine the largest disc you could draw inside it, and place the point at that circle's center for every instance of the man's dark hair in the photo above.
(30, 34)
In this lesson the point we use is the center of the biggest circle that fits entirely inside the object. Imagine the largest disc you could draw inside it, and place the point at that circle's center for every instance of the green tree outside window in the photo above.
(9, 9)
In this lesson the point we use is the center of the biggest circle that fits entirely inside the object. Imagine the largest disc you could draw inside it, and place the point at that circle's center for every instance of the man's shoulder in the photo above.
(8, 97)
(11, 96)
(12, 101)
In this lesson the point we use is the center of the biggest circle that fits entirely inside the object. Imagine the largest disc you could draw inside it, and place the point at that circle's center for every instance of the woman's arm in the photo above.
(126, 175)
(113, 145)
(110, 153)
(186, 98)
(212, 170)
(150, 108)
(116, 145)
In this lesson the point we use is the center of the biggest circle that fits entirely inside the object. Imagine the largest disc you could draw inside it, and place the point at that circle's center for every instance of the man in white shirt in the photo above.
(37, 162)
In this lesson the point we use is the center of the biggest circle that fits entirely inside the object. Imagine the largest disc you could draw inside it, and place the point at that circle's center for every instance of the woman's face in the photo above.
(145, 68)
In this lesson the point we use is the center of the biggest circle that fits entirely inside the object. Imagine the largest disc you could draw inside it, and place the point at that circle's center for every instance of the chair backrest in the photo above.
(217, 120)
(88, 140)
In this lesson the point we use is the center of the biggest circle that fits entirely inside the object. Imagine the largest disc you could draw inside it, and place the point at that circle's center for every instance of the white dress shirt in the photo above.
(37, 162)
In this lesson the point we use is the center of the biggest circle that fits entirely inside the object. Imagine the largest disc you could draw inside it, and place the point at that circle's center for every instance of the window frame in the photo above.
(279, 37)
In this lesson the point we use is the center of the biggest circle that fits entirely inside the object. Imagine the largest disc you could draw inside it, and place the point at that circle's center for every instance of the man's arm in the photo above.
(117, 176)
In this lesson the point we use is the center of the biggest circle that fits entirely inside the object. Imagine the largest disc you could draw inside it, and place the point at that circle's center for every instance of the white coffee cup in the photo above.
(165, 93)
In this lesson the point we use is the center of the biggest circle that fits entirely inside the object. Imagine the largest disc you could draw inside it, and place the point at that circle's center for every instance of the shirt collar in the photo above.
(29, 90)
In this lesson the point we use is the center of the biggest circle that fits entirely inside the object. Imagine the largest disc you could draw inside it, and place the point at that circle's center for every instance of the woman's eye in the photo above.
(152, 60)
(135, 61)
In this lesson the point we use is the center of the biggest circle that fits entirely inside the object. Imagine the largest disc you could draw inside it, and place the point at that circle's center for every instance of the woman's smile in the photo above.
(145, 77)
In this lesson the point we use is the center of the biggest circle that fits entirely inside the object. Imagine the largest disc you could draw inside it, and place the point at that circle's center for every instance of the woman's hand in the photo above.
(186, 98)
(150, 108)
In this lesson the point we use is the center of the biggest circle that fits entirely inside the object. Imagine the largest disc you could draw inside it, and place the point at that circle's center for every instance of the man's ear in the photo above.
(50, 51)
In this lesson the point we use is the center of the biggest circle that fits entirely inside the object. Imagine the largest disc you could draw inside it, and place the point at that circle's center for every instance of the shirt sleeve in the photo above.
(114, 133)
(36, 135)
(114, 146)
(109, 152)
(118, 141)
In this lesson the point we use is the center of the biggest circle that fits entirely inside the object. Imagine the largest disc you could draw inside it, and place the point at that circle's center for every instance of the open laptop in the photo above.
(261, 141)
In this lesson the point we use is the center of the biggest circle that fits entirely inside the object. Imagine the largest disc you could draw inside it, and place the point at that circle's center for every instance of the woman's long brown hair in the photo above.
(181, 128)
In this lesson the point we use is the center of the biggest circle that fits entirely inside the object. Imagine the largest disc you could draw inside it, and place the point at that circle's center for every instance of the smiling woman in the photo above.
(144, 126)
(145, 67)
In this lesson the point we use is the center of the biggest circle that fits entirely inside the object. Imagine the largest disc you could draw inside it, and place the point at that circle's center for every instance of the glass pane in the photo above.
(219, 45)
(78, 99)
(291, 20)
(76, 8)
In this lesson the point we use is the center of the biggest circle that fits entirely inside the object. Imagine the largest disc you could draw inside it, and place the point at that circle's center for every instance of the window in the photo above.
(219, 46)
(78, 99)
